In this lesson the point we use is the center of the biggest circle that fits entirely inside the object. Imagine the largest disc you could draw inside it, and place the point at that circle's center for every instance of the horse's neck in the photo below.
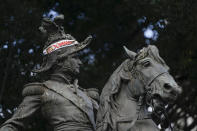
(127, 104)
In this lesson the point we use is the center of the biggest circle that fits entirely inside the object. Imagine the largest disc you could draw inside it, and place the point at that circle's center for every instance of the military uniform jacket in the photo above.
(62, 106)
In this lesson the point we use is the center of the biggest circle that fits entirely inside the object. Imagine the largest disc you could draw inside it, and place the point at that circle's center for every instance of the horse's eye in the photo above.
(146, 64)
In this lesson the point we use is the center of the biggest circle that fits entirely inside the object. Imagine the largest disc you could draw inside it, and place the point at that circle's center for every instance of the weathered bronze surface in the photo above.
(60, 101)
(140, 82)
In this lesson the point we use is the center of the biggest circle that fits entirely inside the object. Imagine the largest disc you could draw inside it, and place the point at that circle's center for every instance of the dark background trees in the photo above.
(169, 24)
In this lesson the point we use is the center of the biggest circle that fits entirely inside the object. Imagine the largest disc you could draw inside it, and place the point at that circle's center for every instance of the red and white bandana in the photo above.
(58, 45)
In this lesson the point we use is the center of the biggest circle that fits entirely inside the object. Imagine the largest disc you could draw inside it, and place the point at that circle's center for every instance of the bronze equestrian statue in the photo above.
(63, 104)
(141, 81)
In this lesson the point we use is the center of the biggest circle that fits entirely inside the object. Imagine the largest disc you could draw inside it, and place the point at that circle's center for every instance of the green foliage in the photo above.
(113, 23)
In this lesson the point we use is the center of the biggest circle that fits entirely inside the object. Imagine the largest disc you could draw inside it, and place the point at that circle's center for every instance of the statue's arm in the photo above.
(25, 112)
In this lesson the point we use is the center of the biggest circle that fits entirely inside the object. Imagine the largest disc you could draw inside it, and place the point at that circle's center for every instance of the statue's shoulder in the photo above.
(93, 93)
(35, 88)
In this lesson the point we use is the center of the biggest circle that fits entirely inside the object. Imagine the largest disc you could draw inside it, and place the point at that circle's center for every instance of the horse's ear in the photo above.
(129, 53)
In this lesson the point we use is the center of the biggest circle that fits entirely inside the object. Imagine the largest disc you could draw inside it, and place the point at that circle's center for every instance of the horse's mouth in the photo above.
(168, 99)
(171, 99)
(159, 105)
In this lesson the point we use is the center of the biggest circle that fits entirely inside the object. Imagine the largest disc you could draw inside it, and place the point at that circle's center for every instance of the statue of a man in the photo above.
(62, 103)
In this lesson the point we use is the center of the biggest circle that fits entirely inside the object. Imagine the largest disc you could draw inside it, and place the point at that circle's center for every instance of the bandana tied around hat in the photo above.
(58, 45)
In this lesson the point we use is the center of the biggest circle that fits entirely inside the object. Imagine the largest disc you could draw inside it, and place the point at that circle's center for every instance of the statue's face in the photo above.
(72, 64)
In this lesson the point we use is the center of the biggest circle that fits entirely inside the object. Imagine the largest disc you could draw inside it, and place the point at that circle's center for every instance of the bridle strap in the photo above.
(146, 85)
(151, 81)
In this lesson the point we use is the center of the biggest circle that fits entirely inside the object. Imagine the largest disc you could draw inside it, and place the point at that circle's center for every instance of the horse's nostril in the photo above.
(167, 86)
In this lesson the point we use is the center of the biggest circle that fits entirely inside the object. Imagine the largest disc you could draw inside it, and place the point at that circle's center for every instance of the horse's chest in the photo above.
(141, 125)
(126, 117)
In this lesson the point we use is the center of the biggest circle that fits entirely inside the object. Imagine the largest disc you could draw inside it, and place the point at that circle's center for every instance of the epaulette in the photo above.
(33, 89)
(93, 93)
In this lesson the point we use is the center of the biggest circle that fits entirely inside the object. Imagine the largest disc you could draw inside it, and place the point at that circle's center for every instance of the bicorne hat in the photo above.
(58, 44)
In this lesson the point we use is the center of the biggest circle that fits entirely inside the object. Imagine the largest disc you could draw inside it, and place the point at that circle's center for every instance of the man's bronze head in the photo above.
(60, 49)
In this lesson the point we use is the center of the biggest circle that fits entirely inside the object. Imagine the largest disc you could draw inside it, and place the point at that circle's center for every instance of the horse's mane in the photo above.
(113, 84)
(106, 99)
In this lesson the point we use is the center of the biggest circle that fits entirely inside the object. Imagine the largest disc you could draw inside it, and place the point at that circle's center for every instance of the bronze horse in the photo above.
(141, 81)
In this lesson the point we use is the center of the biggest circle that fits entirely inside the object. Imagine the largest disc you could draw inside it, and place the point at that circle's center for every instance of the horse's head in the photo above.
(152, 74)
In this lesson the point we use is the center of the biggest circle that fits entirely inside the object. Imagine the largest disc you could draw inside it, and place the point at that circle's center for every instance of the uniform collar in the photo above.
(64, 78)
